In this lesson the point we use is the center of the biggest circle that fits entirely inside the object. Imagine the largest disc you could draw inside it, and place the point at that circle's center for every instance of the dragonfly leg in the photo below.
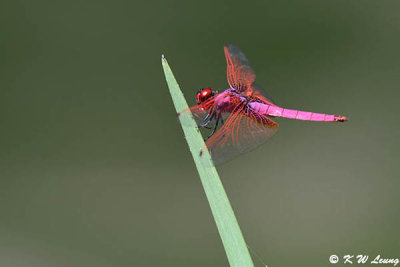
(207, 120)
(208, 116)
(222, 125)
(216, 125)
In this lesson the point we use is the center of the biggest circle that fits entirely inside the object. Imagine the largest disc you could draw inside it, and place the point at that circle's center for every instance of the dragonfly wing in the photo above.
(262, 95)
(203, 113)
(238, 71)
(241, 76)
(200, 115)
(241, 133)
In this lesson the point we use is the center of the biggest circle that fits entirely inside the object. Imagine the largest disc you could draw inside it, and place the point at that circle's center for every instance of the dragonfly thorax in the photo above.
(228, 100)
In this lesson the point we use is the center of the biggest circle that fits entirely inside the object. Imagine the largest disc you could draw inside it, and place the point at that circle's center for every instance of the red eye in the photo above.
(206, 92)
(203, 94)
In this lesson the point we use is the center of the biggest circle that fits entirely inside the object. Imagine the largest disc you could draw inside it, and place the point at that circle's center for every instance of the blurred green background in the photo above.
(94, 168)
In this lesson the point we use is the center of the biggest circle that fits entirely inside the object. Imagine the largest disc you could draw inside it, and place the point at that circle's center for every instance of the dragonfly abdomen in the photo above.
(275, 111)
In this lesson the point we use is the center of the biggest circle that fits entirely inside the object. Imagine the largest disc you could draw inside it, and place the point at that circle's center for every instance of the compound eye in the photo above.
(204, 94)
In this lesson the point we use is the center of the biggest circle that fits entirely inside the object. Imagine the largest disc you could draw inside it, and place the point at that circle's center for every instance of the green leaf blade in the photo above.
(228, 227)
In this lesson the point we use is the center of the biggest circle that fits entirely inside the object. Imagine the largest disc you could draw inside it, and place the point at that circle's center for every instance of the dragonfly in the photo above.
(240, 118)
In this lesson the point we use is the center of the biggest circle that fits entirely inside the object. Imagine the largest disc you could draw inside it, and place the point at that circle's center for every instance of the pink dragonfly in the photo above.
(244, 111)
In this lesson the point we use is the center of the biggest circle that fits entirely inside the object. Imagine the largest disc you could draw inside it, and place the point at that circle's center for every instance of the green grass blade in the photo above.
(228, 227)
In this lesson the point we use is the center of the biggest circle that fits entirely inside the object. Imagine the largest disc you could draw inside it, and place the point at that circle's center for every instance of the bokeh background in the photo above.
(94, 168)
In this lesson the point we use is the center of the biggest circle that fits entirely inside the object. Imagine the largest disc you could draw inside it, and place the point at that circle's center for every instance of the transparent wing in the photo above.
(238, 71)
(262, 95)
(241, 76)
(203, 113)
(242, 132)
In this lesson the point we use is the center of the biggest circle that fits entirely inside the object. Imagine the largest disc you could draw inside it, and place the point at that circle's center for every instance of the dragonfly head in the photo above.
(204, 94)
